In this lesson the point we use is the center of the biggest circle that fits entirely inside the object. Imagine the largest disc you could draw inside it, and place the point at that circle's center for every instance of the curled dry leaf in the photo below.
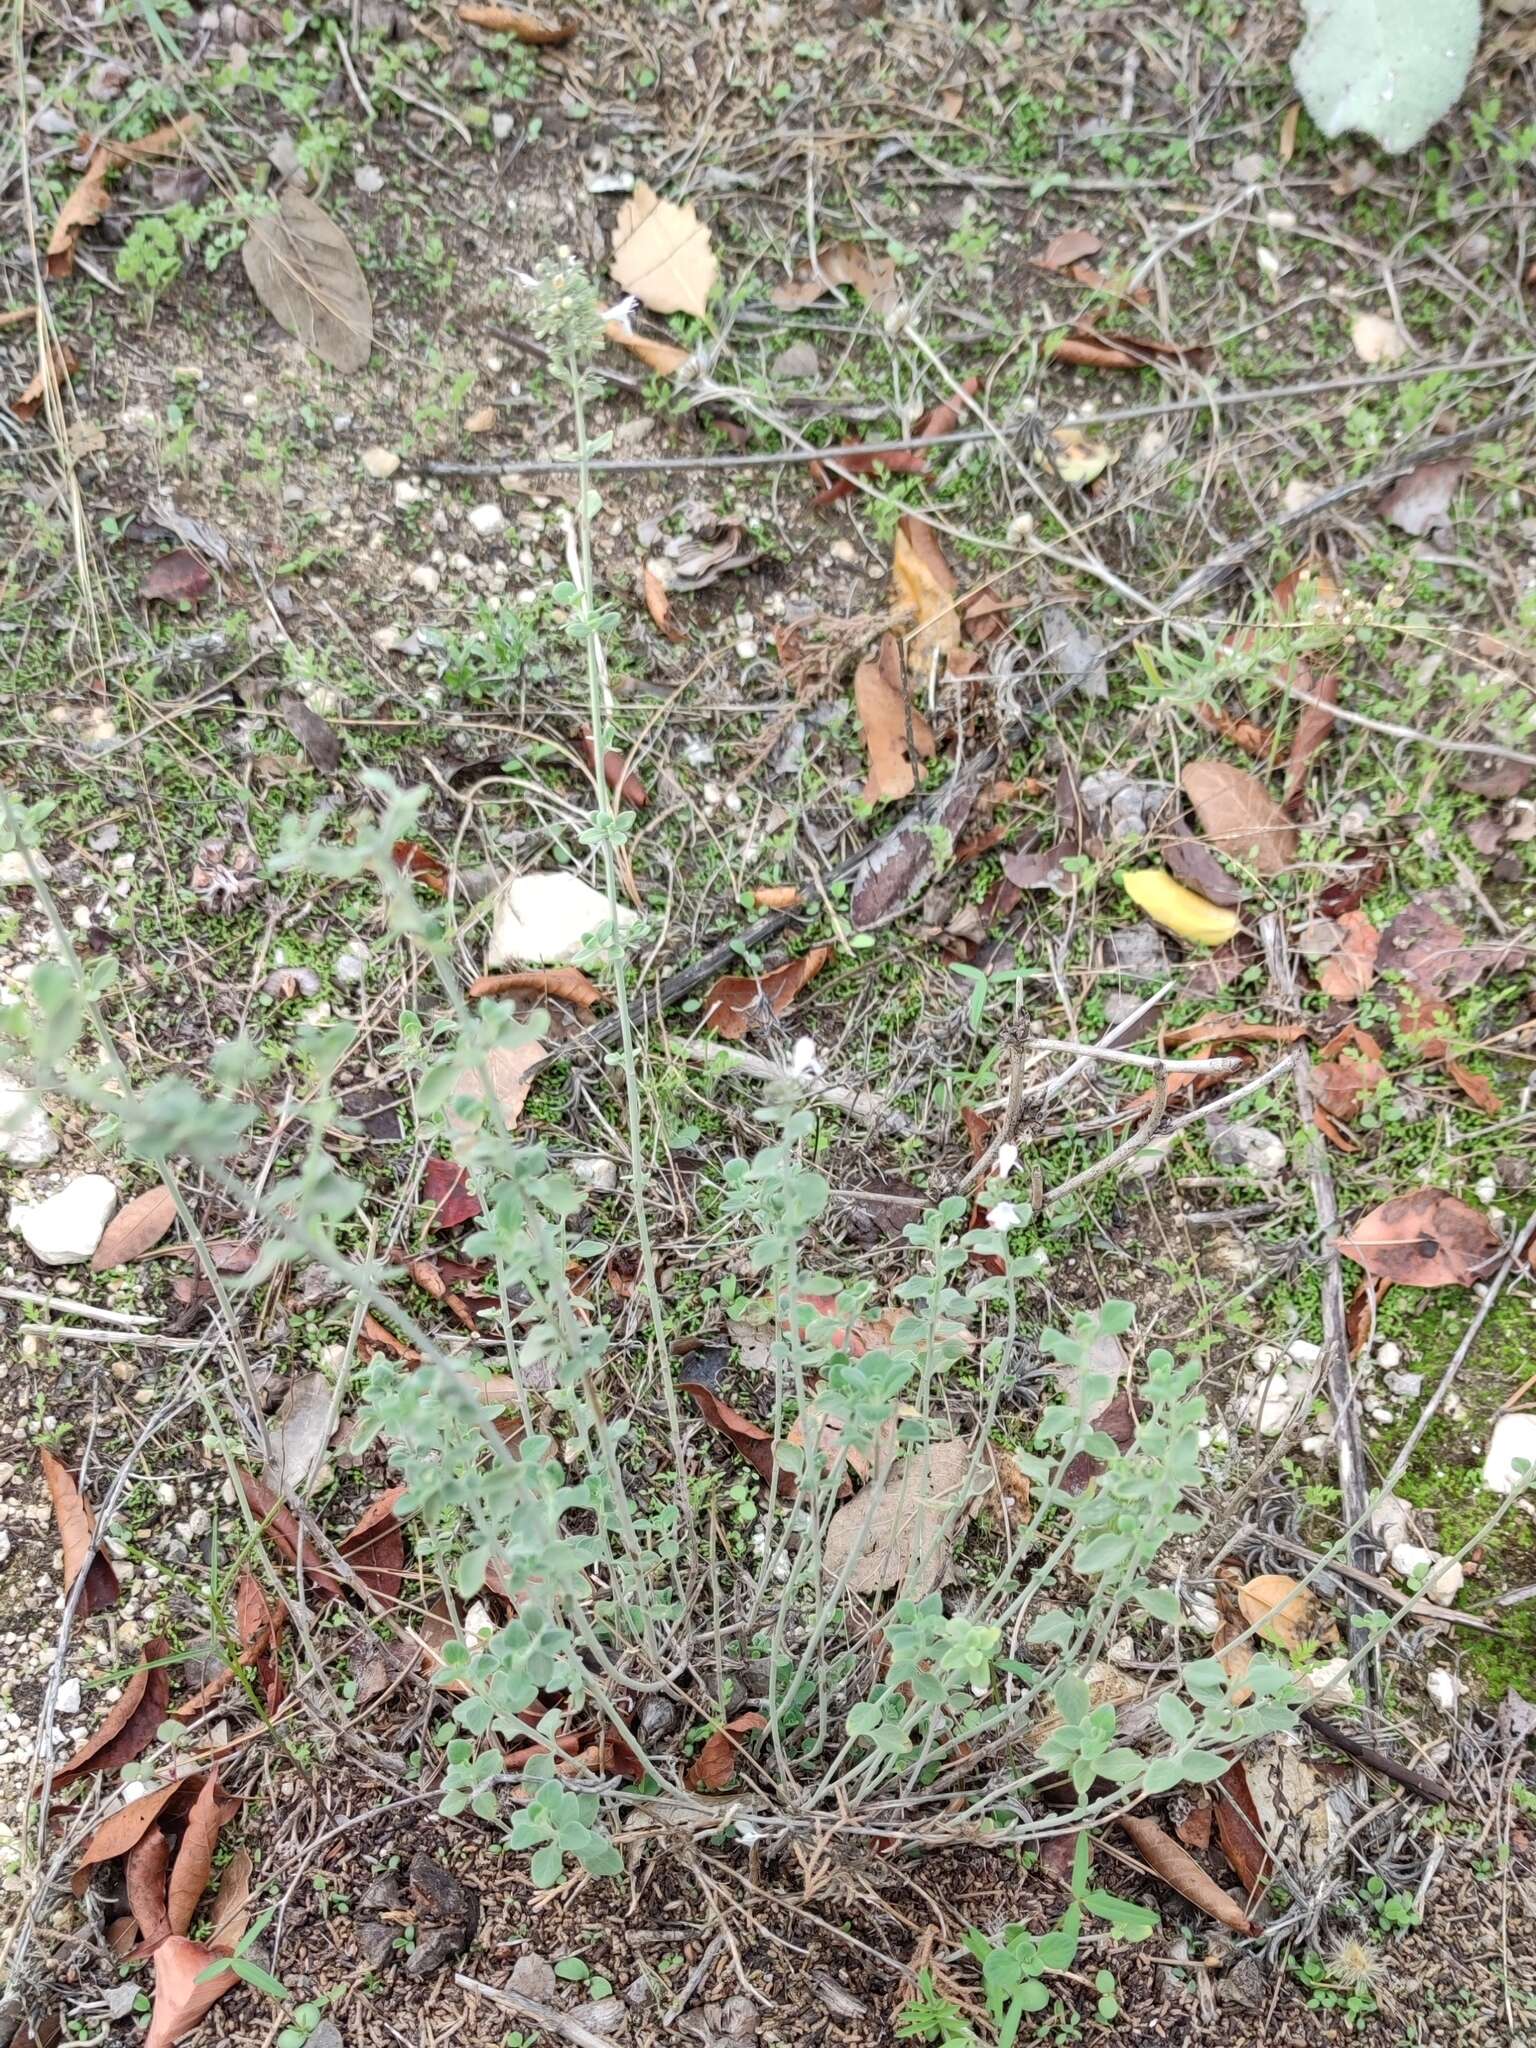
(776, 896)
(375, 1547)
(1240, 1832)
(1285, 1612)
(82, 209)
(739, 1001)
(925, 586)
(1477, 1088)
(130, 1727)
(302, 269)
(177, 578)
(754, 1443)
(421, 864)
(145, 1877)
(1087, 348)
(77, 1536)
(1177, 1868)
(1117, 1421)
(1194, 864)
(1425, 1239)
(665, 358)
(1239, 817)
(662, 253)
(659, 604)
(1312, 730)
(880, 699)
(63, 364)
(720, 1756)
(564, 984)
(518, 23)
(1252, 739)
(840, 263)
(136, 1229)
(194, 1858)
(230, 1914)
(181, 1999)
(1350, 968)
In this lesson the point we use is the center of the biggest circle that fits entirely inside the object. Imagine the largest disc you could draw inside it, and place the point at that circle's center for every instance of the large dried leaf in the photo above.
(925, 586)
(840, 263)
(77, 1534)
(194, 1859)
(1350, 968)
(738, 1002)
(62, 365)
(177, 578)
(1426, 945)
(281, 1524)
(1239, 1831)
(136, 1228)
(230, 1913)
(299, 1433)
(1424, 1239)
(751, 1440)
(1076, 245)
(718, 1758)
(118, 1833)
(1285, 1612)
(180, 1999)
(905, 1511)
(518, 23)
(1177, 1868)
(900, 866)
(302, 269)
(82, 209)
(375, 1547)
(661, 253)
(1420, 502)
(665, 358)
(880, 699)
(1239, 816)
(565, 984)
(130, 1727)
(511, 1070)
(145, 1877)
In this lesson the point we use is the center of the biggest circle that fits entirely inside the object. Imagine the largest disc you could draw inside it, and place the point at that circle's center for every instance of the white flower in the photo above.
(1007, 1158)
(803, 1059)
(1004, 1216)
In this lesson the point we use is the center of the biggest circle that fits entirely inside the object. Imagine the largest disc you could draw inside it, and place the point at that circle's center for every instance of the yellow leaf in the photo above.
(661, 253)
(1073, 457)
(1177, 909)
(664, 357)
(925, 585)
(1285, 1612)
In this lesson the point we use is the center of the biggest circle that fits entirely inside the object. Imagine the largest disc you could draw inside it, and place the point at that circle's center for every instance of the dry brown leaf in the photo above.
(164, 141)
(925, 586)
(1351, 968)
(881, 703)
(565, 984)
(738, 1001)
(231, 1910)
(130, 1726)
(77, 1533)
(511, 1070)
(302, 268)
(1424, 1239)
(1285, 1612)
(1239, 732)
(16, 316)
(29, 402)
(119, 1831)
(776, 896)
(180, 2000)
(1312, 729)
(1348, 1070)
(905, 1511)
(661, 253)
(1239, 817)
(750, 1439)
(375, 1547)
(1420, 502)
(664, 357)
(840, 263)
(82, 209)
(1075, 246)
(281, 1524)
(194, 1859)
(659, 604)
(719, 1757)
(144, 1877)
(518, 23)
(1477, 1088)
(617, 773)
(1178, 1869)
(421, 864)
(1089, 349)
(1239, 1831)
(136, 1228)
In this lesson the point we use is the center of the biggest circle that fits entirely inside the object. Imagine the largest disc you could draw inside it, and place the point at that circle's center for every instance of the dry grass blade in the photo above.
(77, 1536)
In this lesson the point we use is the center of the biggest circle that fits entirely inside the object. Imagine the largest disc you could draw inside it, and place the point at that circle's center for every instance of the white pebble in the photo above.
(486, 520)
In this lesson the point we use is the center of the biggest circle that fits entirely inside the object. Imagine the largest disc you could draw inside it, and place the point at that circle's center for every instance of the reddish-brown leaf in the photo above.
(258, 1628)
(1118, 1423)
(130, 1727)
(1352, 887)
(230, 1913)
(836, 481)
(374, 1336)
(1424, 1239)
(659, 605)
(194, 1859)
(136, 1229)
(516, 22)
(1348, 972)
(1089, 349)
(180, 1999)
(28, 402)
(121, 1830)
(231, 1255)
(617, 773)
(375, 1547)
(1333, 1130)
(1239, 817)
(1360, 1316)
(945, 417)
(1178, 1869)
(145, 1876)
(77, 1534)
(177, 578)
(421, 864)
(281, 1524)
(1075, 246)
(1477, 1088)
(82, 209)
(1430, 950)
(1312, 729)
(1239, 1831)
(716, 1763)
(566, 984)
(738, 1002)
(447, 1188)
(1348, 1070)
(1238, 732)
(1194, 1830)
(754, 1443)
(896, 734)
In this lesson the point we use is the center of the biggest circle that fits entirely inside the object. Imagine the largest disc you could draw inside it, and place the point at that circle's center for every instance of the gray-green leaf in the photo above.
(1387, 68)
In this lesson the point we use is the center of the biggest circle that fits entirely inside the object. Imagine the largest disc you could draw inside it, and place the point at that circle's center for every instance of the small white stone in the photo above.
(1486, 1190)
(165, 1493)
(1444, 1689)
(66, 1228)
(66, 1701)
(1513, 1439)
(600, 1175)
(426, 578)
(351, 963)
(1391, 1521)
(26, 1136)
(1329, 1683)
(1314, 1446)
(1442, 1580)
(380, 463)
(486, 520)
(1388, 1355)
(502, 125)
(1302, 1351)
(1407, 1386)
(1122, 1652)
(407, 493)
(15, 873)
(1202, 1610)
(1381, 1413)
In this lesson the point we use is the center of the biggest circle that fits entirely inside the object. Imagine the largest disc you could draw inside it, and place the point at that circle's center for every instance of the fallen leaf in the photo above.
(835, 476)
(446, 1187)
(1284, 1612)
(1420, 502)
(314, 735)
(509, 1070)
(1424, 1239)
(925, 586)
(1312, 729)
(1072, 456)
(302, 269)
(17, 316)
(180, 1999)
(1194, 864)
(145, 1877)
(29, 402)
(177, 578)
(119, 1831)
(659, 605)
(662, 253)
(1491, 775)
(421, 864)
(1194, 1830)
(299, 1433)
(1428, 948)
(282, 1525)
(900, 865)
(376, 1337)
(883, 712)
(481, 420)
(230, 1913)
(166, 141)
(82, 209)
(1239, 817)
(136, 1228)
(1477, 1088)
(1076, 654)
(375, 1547)
(1238, 732)
(130, 1726)
(1179, 1870)
(891, 1531)
(1075, 246)
(620, 777)
(1177, 909)
(737, 1002)
(776, 896)
(1350, 969)
(751, 1440)
(1376, 338)
(565, 984)
(664, 357)
(516, 22)
(1086, 348)
(1343, 1083)
(1117, 1421)
(719, 1756)
(194, 1859)
(1239, 1832)
(77, 1534)
(840, 263)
